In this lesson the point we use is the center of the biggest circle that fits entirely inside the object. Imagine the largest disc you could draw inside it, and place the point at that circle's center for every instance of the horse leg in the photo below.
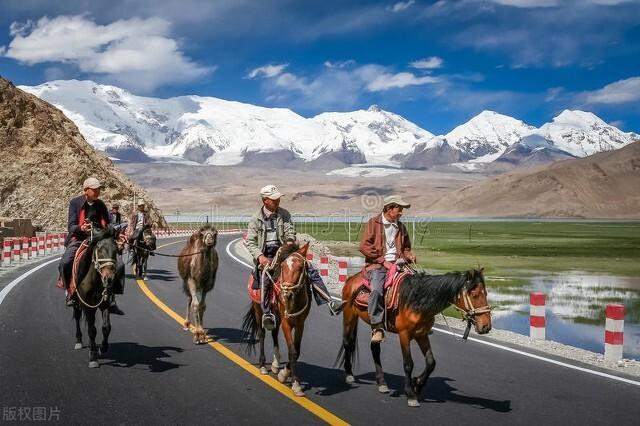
(90, 315)
(275, 364)
(262, 359)
(286, 371)
(349, 335)
(77, 315)
(106, 330)
(430, 364)
(405, 345)
(293, 359)
(382, 385)
(144, 268)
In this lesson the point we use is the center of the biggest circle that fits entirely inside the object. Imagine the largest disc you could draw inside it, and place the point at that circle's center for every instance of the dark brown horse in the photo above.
(421, 298)
(141, 252)
(293, 303)
(98, 271)
(198, 265)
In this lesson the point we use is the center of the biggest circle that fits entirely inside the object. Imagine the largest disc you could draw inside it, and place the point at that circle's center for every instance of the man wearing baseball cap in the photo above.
(385, 241)
(138, 221)
(268, 230)
(85, 212)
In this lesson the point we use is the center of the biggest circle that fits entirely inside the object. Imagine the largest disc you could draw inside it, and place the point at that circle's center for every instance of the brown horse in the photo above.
(197, 265)
(292, 306)
(421, 298)
(96, 274)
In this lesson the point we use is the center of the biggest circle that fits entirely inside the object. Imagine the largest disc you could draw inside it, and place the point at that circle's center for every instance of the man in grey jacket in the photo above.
(268, 230)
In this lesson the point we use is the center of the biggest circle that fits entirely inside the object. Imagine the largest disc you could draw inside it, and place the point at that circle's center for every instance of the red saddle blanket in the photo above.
(391, 290)
(254, 293)
(78, 260)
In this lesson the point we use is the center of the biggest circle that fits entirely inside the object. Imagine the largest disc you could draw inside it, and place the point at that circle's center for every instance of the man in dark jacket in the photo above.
(115, 217)
(85, 212)
(384, 241)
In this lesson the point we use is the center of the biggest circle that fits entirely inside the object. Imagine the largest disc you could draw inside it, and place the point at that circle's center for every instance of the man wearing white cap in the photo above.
(268, 230)
(85, 213)
(385, 241)
(138, 221)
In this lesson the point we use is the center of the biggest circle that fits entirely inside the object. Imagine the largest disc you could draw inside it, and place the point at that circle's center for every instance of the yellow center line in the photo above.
(304, 402)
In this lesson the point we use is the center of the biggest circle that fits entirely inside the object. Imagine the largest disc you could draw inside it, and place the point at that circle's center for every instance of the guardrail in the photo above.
(18, 251)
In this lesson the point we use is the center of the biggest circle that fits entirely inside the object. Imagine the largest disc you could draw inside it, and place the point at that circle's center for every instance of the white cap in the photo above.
(92, 183)
(141, 202)
(271, 192)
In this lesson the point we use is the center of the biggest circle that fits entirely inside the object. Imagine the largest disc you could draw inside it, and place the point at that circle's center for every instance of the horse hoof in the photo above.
(383, 389)
(282, 375)
(413, 403)
(297, 389)
(263, 370)
(93, 364)
(77, 347)
(275, 369)
(350, 379)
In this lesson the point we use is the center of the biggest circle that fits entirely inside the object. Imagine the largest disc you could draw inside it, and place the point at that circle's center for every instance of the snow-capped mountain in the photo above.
(215, 131)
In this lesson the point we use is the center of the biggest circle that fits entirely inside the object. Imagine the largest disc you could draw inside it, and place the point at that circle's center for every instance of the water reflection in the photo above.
(576, 304)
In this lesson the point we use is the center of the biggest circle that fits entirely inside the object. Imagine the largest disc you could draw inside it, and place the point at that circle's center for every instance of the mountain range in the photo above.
(207, 130)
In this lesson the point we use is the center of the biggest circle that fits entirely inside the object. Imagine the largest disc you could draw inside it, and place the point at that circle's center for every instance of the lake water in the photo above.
(575, 306)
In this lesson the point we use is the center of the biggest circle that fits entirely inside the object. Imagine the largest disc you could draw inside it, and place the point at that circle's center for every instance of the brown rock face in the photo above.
(44, 160)
(604, 185)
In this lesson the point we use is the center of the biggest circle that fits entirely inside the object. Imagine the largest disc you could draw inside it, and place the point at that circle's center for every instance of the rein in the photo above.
(98, 264)
(288, 287)
(168, 255)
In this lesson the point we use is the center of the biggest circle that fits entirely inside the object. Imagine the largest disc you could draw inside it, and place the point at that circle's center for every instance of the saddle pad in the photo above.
(77, 262)
(391, 274)
(391, 295)
(254, 293)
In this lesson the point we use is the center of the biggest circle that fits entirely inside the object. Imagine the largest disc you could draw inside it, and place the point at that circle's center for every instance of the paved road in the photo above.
(153, 374)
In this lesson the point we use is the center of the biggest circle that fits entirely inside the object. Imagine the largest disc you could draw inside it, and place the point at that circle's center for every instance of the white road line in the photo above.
(237, 259)
(541, 358)
(17, 281)
(495, 345)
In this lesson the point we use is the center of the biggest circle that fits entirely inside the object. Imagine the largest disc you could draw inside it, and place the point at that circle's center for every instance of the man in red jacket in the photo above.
(384, 241)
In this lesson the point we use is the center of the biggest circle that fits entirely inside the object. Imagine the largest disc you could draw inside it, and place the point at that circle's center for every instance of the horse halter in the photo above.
(469, 312)
(291, 288)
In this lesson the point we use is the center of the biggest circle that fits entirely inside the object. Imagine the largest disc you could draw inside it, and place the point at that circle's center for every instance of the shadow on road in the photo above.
(226, 335)
(128, 354)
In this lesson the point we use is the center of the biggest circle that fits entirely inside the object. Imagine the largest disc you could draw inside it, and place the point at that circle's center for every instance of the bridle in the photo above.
(470, 312)
(99, 264)
(291, 288)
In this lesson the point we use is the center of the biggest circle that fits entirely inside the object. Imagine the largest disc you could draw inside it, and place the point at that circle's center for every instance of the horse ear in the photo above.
(303, 250)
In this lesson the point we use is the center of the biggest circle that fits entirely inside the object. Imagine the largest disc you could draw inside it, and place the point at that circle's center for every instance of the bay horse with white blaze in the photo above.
(291, 295)
(94, 276)
(420, 298)
(198, 265)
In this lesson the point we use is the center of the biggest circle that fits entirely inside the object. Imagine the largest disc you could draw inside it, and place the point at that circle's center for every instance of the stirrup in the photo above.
(374, 331)
(335, 306)
(268, 321)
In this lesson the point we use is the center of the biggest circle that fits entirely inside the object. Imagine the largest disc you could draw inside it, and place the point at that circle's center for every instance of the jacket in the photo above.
(78, 210)
(256, 232)
(372, 243)
(133, 221)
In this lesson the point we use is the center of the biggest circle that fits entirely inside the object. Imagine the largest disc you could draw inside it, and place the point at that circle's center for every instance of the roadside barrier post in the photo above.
(613, 333)
(537, 316)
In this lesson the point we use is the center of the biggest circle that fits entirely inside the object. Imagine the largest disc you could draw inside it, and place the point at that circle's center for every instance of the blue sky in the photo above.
(436, 63)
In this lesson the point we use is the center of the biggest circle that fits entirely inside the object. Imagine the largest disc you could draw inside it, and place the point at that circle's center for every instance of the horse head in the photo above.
(149, 239)
(104, 255)
(292, 261)
(472, 300)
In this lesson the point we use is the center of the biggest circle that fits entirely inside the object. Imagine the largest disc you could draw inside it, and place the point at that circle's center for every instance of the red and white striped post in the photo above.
(343, 273)
(310, 256)
(15, 257)
(6, 252)
(33, 249)
(537, 316)
(41, 236)
(614, 333)
(55, 244)
(47, 243)
(25, 249)
(324, 267)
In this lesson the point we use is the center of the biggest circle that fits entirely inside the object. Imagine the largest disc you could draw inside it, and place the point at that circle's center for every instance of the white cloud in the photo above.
(623, 91)
(136, 53)
(528, 3)
(267, 71)
(427, 63)
(400, 6)
(339, 64)
(387, 81)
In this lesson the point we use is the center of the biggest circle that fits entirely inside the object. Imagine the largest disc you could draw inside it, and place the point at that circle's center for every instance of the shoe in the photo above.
(268, 321)
(377, 335)
(70, 301)
(335, 307)
(114, 309)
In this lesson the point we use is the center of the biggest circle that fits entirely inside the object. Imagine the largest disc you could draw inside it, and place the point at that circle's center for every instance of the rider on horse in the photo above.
(138, 221)
(385, 241)
(85, 212)
(268, 230)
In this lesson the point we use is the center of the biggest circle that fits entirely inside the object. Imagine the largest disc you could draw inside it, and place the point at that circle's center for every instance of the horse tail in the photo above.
(342, 356)
(250, 329)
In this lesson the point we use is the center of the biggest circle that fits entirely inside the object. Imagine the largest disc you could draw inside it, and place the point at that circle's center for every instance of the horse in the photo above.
(421, 297)
(96, 273)
(292, 304)
(141, 252)
(198, 265)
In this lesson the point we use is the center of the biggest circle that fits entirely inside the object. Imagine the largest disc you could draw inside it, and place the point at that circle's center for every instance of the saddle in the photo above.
(391, 289)
(254, 293)
(80, 267)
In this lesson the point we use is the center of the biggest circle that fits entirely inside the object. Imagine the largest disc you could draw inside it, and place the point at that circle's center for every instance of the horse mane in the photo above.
(426, 293)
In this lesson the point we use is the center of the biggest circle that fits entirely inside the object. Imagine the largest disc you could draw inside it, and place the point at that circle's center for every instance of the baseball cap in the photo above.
(396, 199)
(141, 202)
(92, 183)
(271, 192)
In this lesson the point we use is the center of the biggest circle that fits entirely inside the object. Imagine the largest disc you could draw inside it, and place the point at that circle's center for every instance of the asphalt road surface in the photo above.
(154, 374)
